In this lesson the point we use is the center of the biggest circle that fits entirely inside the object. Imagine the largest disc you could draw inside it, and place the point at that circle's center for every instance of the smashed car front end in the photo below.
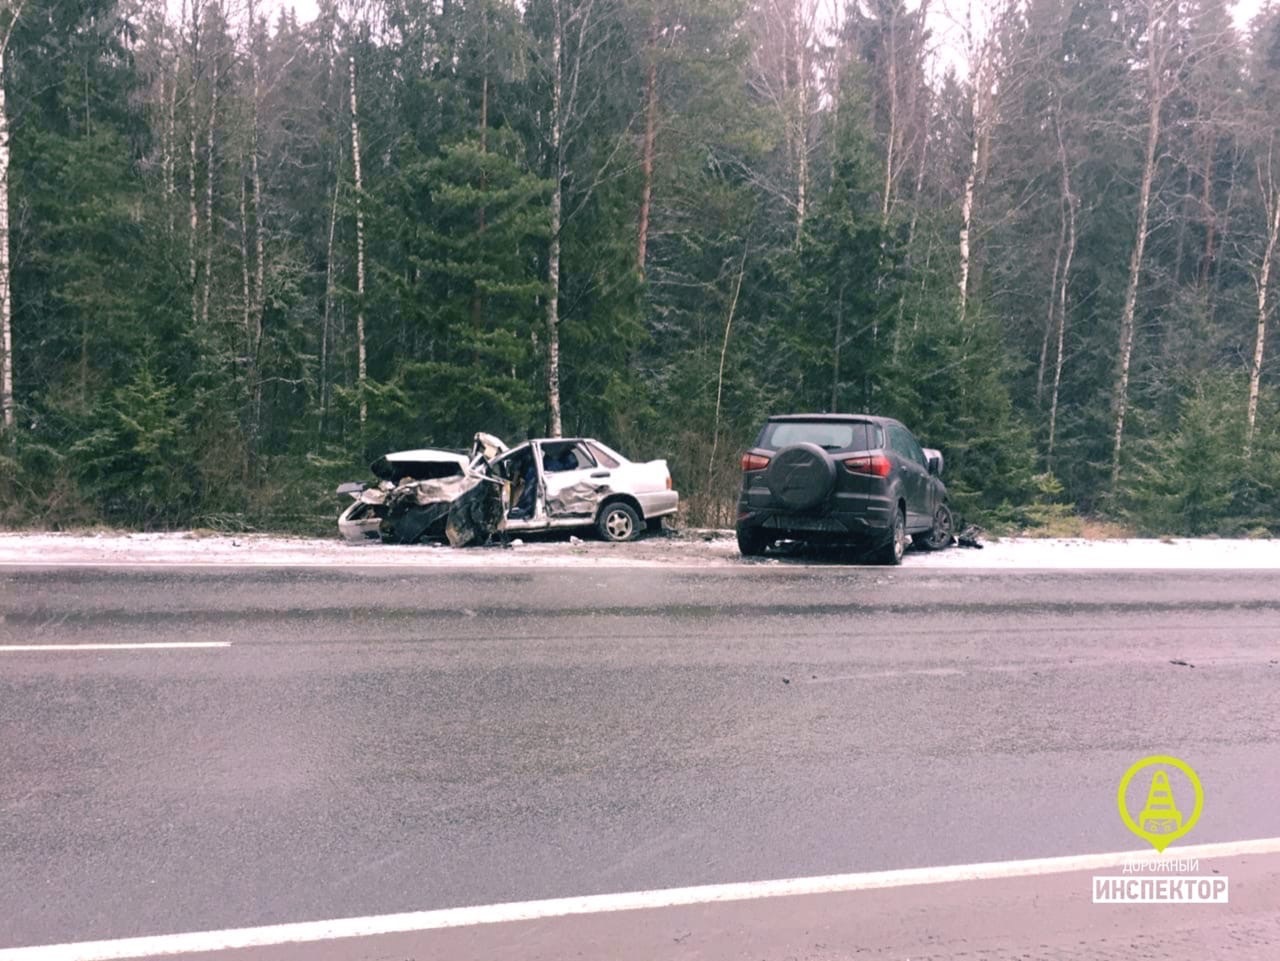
(361, 519)
(427, 494)
(387, 510)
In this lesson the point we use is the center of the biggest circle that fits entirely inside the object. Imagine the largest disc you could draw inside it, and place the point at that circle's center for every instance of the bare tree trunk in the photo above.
(328, 308)
(787, 74)
(208, 202)
(724, 353)
(890, 150)
(919, 188)
(1207, 212)
(259, 240)
(911, 236)
(1184, 216)
(647, 150)
(1070, 205)
(193, 209)
(1271, 196)
(6, 313)
(171, 130)
(477, 300)
(835, 352)
(1052, 314)
(362, 370)
(1224, 232)
(246, 290)
(563, 121)
(1155, 96)
(553, 254)
(966, 205)
(802, 126)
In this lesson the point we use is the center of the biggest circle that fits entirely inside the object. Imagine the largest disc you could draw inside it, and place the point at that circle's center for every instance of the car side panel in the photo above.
(658, 503)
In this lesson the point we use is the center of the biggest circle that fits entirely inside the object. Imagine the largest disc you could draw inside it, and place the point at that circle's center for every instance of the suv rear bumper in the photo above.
(870, 517)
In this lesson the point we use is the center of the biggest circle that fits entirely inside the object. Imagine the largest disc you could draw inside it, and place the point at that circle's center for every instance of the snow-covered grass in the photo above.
(688, 549)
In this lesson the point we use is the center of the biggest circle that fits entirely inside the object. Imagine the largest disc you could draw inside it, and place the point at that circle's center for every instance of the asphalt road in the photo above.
(373, 742)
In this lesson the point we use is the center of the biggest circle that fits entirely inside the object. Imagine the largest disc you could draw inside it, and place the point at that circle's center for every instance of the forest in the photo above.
(242, 254)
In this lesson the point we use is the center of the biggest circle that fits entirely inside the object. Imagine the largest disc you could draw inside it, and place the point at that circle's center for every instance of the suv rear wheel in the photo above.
(752, 541)
(892, 550)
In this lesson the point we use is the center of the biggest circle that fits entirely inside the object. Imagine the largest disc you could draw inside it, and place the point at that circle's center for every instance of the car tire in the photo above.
(890, 553)
(618, 522)
(938, 536)
(752, 542)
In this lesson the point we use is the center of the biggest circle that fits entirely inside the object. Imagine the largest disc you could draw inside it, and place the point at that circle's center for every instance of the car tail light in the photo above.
(668, 482)
(754, 462)
(875, 464)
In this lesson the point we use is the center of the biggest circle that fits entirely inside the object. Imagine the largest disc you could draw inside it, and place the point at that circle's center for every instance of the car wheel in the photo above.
(752, 541)
(938, 536)
(618, 522)
(893, 549)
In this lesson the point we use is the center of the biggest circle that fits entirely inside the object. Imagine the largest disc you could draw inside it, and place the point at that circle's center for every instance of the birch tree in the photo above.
(255, 297)
(210, 180)
(1070, 205)
(1159, 50)
(575, 41)
(980, 42)
(650, 138)
(8, 19)
(362, 362)
(1269, 191)
(193, 213)
(783, 76)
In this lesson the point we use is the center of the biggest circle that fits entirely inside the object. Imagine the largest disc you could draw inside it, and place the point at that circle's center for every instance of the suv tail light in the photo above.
(875, 464)
(754, 462)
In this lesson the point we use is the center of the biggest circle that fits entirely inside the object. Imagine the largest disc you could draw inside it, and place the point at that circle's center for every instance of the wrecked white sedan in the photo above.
(542, 484)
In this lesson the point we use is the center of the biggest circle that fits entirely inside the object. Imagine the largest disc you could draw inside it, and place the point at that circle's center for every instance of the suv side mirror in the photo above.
(934, 460)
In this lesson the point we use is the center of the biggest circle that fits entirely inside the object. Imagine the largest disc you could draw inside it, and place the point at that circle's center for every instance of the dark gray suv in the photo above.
(842, 478)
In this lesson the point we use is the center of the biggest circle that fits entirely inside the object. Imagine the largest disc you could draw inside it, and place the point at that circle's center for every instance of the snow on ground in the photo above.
(687, 549)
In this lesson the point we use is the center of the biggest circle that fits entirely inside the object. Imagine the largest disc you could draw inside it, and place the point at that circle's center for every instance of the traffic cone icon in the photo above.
(1160, 810)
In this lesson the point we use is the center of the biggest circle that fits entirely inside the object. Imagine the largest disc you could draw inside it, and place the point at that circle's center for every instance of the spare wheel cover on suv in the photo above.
(801, 477)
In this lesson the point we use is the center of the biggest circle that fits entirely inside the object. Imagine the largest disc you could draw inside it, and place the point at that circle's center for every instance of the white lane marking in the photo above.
(311, 931)
(156, 645)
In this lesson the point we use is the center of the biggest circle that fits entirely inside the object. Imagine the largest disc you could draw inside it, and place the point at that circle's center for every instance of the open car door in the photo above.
(575, 483)
(520, 471)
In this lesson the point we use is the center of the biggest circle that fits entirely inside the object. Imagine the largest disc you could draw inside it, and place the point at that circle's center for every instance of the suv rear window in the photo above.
(827, 434)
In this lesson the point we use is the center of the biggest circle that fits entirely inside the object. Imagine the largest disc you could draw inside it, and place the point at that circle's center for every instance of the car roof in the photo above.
(836, 418)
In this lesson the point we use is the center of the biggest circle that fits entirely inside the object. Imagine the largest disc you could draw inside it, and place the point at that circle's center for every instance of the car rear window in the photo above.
(603, 457)
(830, 435)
